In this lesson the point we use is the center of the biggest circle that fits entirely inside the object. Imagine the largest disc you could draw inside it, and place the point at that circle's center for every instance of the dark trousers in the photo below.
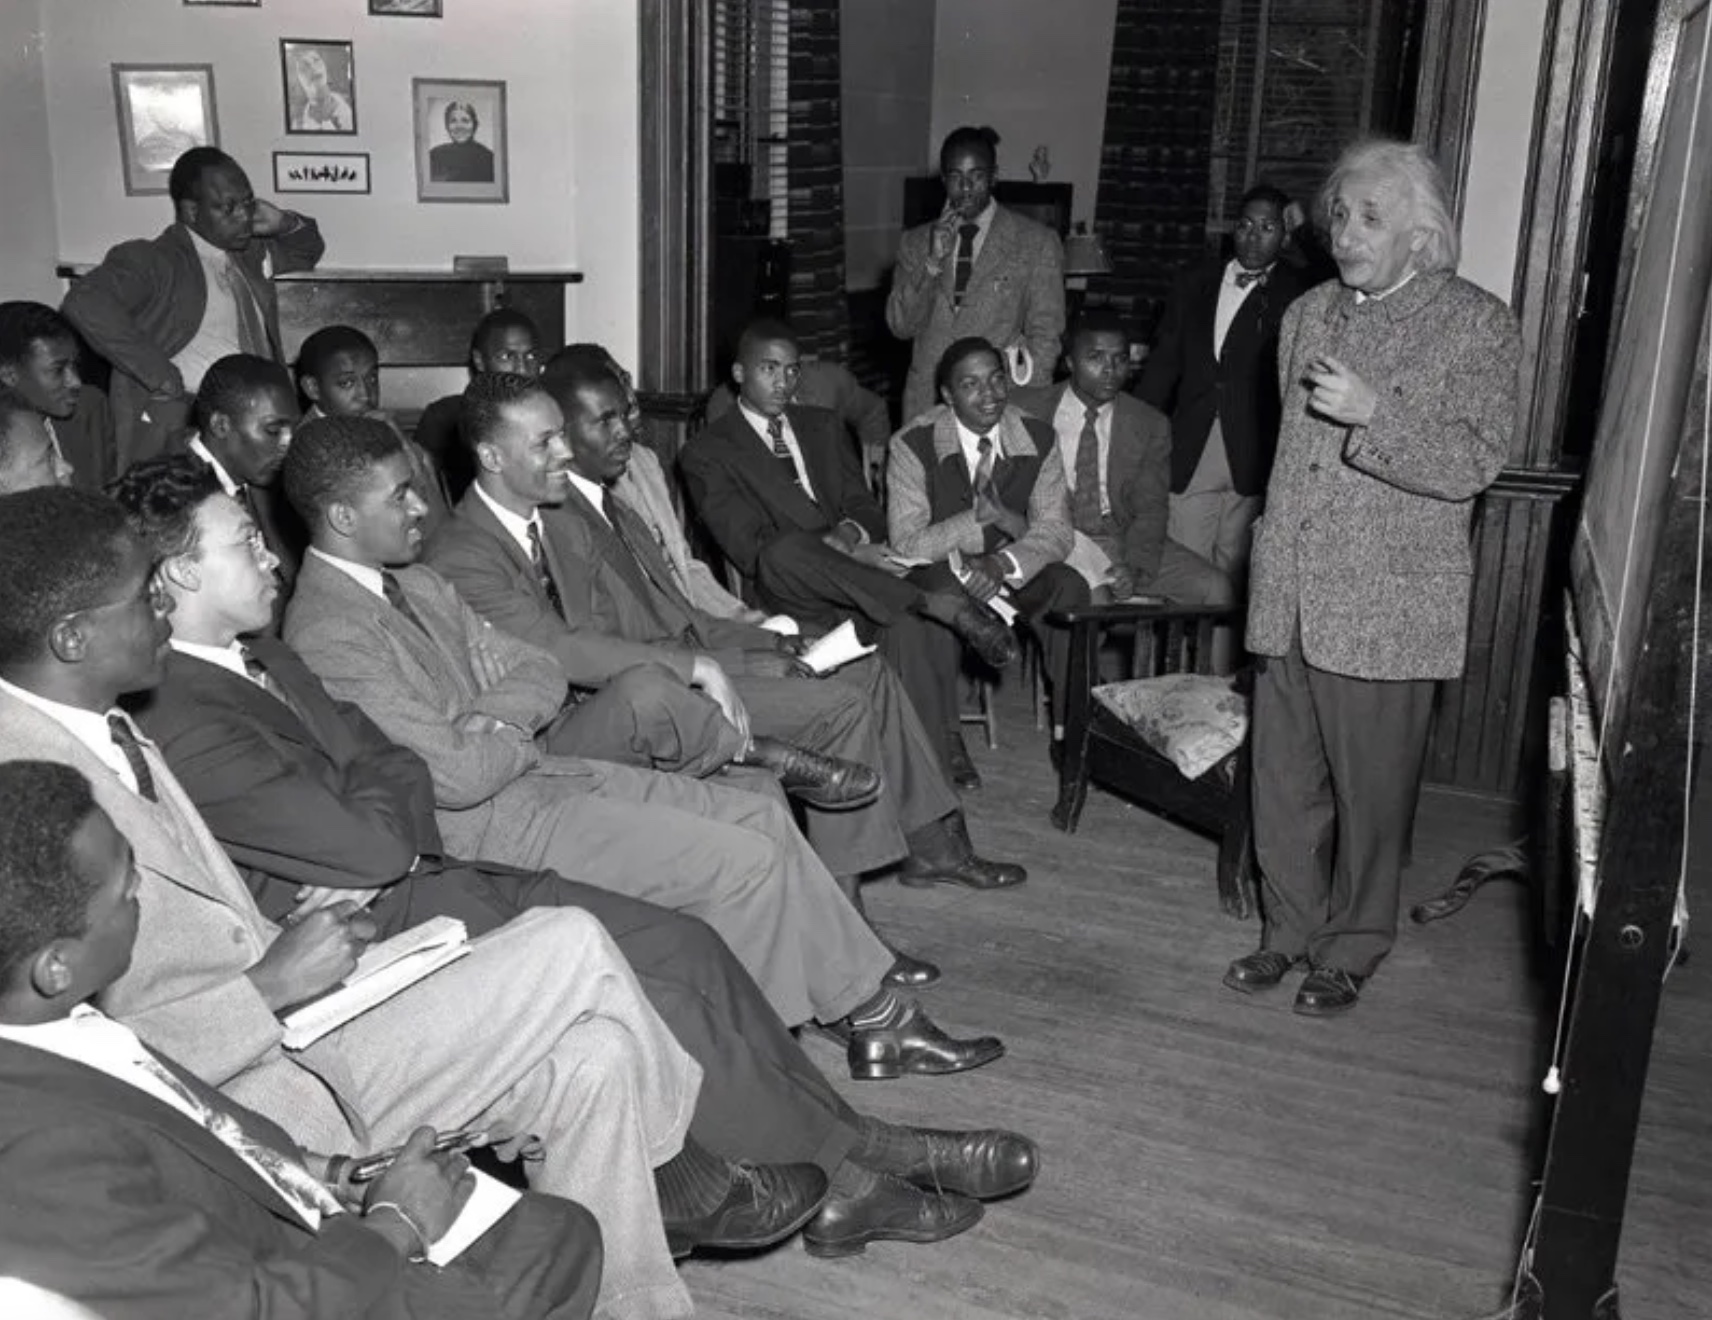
(761, 1098)
(649, 718)
(1337, 774)
(541, 1262)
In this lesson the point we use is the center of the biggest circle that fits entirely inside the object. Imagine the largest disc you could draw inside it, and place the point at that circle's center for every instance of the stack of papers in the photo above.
(383, 971)
(835, 650)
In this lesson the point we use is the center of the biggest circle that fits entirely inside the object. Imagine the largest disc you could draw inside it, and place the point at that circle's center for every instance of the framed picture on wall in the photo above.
(321, 172)
(320, 86)
(406, 8)
(228, 4)
(164, 110)
(461, 154)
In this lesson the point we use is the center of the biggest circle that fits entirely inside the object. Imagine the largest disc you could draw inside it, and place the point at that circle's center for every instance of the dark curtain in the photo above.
(1154, 158)
(815, 169)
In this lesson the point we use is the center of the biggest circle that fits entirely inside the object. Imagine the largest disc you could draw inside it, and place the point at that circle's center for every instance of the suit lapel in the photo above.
(215, 685)
(773, 482)
(994, 255)
(473, 509)
(325, 588)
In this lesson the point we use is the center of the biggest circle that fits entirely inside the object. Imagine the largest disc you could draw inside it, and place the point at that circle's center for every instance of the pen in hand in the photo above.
(342, 1168)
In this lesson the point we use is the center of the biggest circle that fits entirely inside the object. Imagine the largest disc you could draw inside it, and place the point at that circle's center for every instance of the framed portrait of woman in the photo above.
(320, 79)
(461, 153)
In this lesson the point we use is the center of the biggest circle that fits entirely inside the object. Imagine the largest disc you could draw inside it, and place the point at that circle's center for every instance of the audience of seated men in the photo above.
(149, 1193)
(503, 340)
(540, 1035)
(977, 490)
(866, 420)
(1116, 455)
(260, 747)
(394, 637)
(164, 310)
(28, 456)
(40, 359)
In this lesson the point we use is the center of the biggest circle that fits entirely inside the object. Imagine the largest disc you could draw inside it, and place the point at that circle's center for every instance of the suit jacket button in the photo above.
(237, 934)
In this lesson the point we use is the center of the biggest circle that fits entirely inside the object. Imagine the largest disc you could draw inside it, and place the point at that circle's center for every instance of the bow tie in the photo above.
(1244, 278)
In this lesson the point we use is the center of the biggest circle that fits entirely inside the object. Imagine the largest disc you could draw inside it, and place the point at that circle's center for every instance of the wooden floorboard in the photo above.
(1213, 1157)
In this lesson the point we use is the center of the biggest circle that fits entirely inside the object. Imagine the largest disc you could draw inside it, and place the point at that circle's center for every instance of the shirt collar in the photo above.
(206, 455)
(984, 221)
(592, 491)
(71, 1036)
(971, 440)
(361, 574)
(206, 251)
(1361, 297)
(758, 420)
(1233, 266)
(1074, 403)
(229, 657)
(516, 527)
(89, 727)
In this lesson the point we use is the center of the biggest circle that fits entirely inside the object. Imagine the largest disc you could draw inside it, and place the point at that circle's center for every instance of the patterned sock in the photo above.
(884, 1011)
(888, 1147)
(692, 1183)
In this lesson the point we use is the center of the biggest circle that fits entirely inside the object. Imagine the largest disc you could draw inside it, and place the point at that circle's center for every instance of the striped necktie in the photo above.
(125, 739)
(965, 261)
(543, 573)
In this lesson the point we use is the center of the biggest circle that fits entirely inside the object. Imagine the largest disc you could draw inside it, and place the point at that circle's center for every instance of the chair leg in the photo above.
(1072, 782)
(991, 714)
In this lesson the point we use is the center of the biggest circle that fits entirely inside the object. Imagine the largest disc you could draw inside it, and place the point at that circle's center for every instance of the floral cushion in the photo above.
(1194, 719)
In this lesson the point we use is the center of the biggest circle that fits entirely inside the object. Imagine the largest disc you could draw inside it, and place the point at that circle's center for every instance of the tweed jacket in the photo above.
(1138, 471)
(1365, 540)
(1015, 296)
(643, 486)
(1237, 385)
(144, 303)
(417, 686)
(747, 499)
(185, 992)
(910, 490)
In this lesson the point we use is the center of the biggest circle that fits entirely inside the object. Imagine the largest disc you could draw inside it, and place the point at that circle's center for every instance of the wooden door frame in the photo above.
(1448, 75)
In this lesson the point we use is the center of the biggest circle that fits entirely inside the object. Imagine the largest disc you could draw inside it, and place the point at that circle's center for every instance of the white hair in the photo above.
(1411, 168)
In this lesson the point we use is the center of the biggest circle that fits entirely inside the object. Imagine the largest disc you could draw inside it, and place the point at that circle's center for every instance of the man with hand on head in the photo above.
(39, 359)
(149, 1193)
(163, 310)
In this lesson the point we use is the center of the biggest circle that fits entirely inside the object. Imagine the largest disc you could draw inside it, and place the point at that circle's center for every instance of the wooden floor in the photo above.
(1213, 1157)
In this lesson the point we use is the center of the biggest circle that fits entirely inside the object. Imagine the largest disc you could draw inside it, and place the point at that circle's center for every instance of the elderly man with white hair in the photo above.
(1399, 393)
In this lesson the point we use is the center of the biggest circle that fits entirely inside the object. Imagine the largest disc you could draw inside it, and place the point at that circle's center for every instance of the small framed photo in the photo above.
(406, 8)
(228, 4)
(164, 110)
(321, 172)
(320, 86)
(461, 154)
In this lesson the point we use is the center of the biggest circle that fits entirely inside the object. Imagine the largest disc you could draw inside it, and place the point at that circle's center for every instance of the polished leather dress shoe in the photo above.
(970, 871)
(960, 764)
(766, 1204)
(1328, 990)
(984, 1164)
(917, 1046)
(909, 973)
(827, 782)
(890, 1209)
(985, 633)
(1260, 970)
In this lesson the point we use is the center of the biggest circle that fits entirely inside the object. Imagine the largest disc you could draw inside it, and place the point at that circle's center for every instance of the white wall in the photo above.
(28, 239)
(1503, 130)
(1035, 71)
(571, 75)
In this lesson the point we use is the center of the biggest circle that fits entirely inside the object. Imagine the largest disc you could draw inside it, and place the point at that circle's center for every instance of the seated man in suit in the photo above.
(260, 748)
(539, 1035)
(28, 456)
(163, 310)
(1116, 455)
(1214, 369)
(503, 340)
(783, 493)
(39, 359)
(395, 639)
(978, 490)
(548, 457)
(148, 1193)
(866, 420)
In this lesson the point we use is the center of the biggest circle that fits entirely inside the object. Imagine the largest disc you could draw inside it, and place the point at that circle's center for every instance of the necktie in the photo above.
(543, 574)
(781, 450)
(983, 481)
(259, 675)
(965, 261)
(126, 741)
(1085, 513)
(1244, 277)
(252, 334)
(296, 1186)
(399, 601)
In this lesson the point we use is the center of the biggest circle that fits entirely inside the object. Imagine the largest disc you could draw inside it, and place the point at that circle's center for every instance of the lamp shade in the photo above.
(1084, 253)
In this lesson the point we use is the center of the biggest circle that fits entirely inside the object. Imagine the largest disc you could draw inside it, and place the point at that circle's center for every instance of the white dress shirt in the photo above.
(89, 727)
(229, 657)
(1068, 421)
(1231, 298)
(361, 574)
(983, 224)
(220, 333)
(758, 424)
(516, 528)
(593, 492)
(971, 445)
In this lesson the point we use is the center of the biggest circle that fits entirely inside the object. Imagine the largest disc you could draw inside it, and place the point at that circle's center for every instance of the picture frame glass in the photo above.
(320, 81)
(407, 8)
(163, 111)
(461, 140)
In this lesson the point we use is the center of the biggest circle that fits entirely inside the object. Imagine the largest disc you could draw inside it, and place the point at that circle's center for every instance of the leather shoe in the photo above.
(888, 1209)
(1328, 990)
(960, 764)
(970, 871)
(827, 782)
(984, 1164)
(1260, 970)
(916, 1046)
(985, 633)
(766, 1204)
(910, 973)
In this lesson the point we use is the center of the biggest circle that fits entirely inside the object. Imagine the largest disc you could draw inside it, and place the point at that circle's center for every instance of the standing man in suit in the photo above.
(39, 359)
(1116, 455)
(394, 638)
(1399, 383)
(150, 1193)
(977, 489)
(783, 493)
(1213, 368)
(260, 748)
(979, 271)
(539, 1032)
(163, 310)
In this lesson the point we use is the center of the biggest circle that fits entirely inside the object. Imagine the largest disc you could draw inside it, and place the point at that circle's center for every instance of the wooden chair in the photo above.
(1100, 747)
